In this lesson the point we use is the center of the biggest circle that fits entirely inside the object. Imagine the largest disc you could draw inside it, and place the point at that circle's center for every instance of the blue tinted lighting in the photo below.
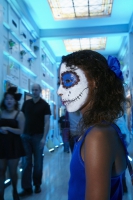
(47, 85)
(47, 70)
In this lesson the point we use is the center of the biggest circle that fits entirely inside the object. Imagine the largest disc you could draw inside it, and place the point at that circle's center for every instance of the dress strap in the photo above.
(117, 130)
(120, 136)
(130, 169)
(87, 132)
(16, 115)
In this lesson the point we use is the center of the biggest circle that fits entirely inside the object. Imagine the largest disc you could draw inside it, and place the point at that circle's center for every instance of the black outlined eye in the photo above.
(69, 79)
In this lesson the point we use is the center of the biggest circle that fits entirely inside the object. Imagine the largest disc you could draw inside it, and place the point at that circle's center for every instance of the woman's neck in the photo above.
(9, 110)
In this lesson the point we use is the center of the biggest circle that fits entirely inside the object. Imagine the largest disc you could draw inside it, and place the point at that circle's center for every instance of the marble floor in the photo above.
(55, 178)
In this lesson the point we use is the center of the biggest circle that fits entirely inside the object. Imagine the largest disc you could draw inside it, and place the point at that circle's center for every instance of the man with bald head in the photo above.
(37, 119)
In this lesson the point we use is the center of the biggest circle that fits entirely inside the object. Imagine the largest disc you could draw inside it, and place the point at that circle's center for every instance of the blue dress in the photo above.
(77, 174)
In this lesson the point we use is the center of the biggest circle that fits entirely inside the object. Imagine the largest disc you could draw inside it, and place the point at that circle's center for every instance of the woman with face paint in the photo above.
(93, 85)
(11, 148)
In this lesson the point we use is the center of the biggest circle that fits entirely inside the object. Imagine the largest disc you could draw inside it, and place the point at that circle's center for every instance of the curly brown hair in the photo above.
(106, 98)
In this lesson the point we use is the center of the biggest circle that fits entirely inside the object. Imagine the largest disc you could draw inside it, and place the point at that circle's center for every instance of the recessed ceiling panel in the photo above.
(85, 43)
(113, 45)
(70, 9)
(53, 32)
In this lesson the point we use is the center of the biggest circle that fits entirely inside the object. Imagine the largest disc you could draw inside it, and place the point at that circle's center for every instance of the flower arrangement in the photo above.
(11, 43)
(36, 48)
(30, 60)
(32, 41)
(43, 57)
(11, 65)
(22, 53)
(23, 34)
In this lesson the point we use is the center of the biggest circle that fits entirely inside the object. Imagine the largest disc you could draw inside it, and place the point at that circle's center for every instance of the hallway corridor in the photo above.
(55, 179)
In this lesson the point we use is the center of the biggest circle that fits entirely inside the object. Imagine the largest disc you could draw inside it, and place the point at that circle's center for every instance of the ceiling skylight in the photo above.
(69, 9)
(85, 43)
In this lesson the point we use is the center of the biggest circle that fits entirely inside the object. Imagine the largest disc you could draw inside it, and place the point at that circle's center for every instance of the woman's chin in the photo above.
(10, 107)
(72, 108)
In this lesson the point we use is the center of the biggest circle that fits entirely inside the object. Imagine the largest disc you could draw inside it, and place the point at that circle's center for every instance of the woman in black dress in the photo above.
(11, 148)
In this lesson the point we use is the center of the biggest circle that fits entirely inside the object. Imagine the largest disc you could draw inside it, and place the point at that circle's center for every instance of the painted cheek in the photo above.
(69, 93)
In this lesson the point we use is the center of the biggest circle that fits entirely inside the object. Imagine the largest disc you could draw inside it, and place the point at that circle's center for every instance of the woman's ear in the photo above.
(94, 84)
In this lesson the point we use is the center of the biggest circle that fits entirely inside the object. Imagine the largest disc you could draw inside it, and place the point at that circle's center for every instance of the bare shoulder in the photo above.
(20, 115)
(101, 140)
(101, 132)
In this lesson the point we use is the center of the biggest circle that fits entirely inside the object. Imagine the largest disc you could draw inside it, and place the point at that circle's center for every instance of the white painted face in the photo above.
(73, 88)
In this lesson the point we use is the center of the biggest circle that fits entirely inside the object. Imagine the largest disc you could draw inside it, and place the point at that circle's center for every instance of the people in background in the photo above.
(11, 148)
(74, 118)
(94, 85)
(65, 130)
(121, 123)
(37, 120)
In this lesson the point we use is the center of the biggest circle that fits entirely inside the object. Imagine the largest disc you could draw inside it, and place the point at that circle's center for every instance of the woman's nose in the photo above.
(59, 91)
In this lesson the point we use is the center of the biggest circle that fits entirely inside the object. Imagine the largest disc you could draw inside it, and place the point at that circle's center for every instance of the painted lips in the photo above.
(67, 102)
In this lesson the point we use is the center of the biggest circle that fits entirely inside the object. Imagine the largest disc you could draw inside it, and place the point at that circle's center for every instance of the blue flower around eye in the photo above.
(114, 65)
(69, 79)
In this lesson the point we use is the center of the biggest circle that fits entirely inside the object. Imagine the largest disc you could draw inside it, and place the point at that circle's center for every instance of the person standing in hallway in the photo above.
(65, 130)
(11, 147)
(94, 86)
(37, 120)
(121, 123)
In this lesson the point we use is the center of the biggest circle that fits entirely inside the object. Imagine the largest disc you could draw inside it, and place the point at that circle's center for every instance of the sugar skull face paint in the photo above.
(69, 79)
(73, 88)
